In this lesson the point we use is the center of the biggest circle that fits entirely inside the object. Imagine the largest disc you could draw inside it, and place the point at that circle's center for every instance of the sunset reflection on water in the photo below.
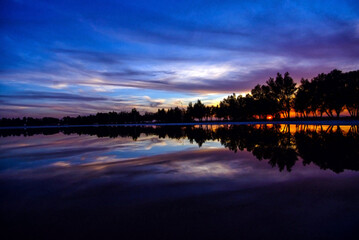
(199, 176)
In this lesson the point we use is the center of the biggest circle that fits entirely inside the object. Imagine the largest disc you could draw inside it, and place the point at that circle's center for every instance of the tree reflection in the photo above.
(329, 149)
(264, 142)
(282, 145)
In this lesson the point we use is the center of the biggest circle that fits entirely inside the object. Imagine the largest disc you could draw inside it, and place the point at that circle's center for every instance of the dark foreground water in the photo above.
(210, 182)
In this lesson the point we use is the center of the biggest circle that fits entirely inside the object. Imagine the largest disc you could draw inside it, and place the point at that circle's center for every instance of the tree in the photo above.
(231, 107)
(329, 93)
(208, 112)
(303, 98)
(282, 90)
(135, 115)
(263, 102)
(190, 112)
(351, 92)
(199, 110)
(334, 85)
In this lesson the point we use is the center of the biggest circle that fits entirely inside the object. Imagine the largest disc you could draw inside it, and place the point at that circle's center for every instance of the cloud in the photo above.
(33, 95)
(104, 57)
(97, 57)
(154, 103)
(132, 72)
(170, 50)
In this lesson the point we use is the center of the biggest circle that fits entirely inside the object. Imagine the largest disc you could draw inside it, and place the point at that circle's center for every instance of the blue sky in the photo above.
(79, 57)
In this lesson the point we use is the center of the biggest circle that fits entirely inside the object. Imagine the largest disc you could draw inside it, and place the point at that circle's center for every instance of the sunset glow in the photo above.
(64, 58)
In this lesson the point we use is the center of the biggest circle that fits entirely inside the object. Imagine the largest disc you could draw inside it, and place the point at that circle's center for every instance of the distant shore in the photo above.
(343, 122)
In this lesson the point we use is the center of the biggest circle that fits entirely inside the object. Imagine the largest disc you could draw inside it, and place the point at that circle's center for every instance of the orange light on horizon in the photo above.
(269, 117)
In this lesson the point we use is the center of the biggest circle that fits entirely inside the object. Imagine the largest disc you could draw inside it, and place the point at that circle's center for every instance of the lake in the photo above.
(180, 182)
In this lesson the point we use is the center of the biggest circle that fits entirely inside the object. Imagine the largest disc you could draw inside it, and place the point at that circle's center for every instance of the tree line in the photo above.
(324, 95)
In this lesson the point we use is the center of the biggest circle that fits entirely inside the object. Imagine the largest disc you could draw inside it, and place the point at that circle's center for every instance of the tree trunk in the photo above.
(329, 113)
(350, 113)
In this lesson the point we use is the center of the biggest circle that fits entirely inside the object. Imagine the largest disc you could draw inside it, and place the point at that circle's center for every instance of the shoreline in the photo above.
(291, 122)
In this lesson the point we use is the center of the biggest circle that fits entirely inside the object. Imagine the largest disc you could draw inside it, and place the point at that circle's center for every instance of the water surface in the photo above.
(219, 182)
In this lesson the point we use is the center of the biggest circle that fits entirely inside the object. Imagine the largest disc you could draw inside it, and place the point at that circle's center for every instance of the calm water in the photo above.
(211, 182)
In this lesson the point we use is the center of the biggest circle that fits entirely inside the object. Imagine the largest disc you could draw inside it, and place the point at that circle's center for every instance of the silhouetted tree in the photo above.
(334, 92)
(135, 115)
(263, 102)
(351, 92)
(303, 99)
(199, 110)
(282, 90)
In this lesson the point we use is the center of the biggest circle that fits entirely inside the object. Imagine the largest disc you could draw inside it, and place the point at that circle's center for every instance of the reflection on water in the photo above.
(181, 182)
(330, 147)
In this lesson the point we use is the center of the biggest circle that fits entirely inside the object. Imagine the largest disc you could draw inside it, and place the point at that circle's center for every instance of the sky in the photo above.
(69, 58)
